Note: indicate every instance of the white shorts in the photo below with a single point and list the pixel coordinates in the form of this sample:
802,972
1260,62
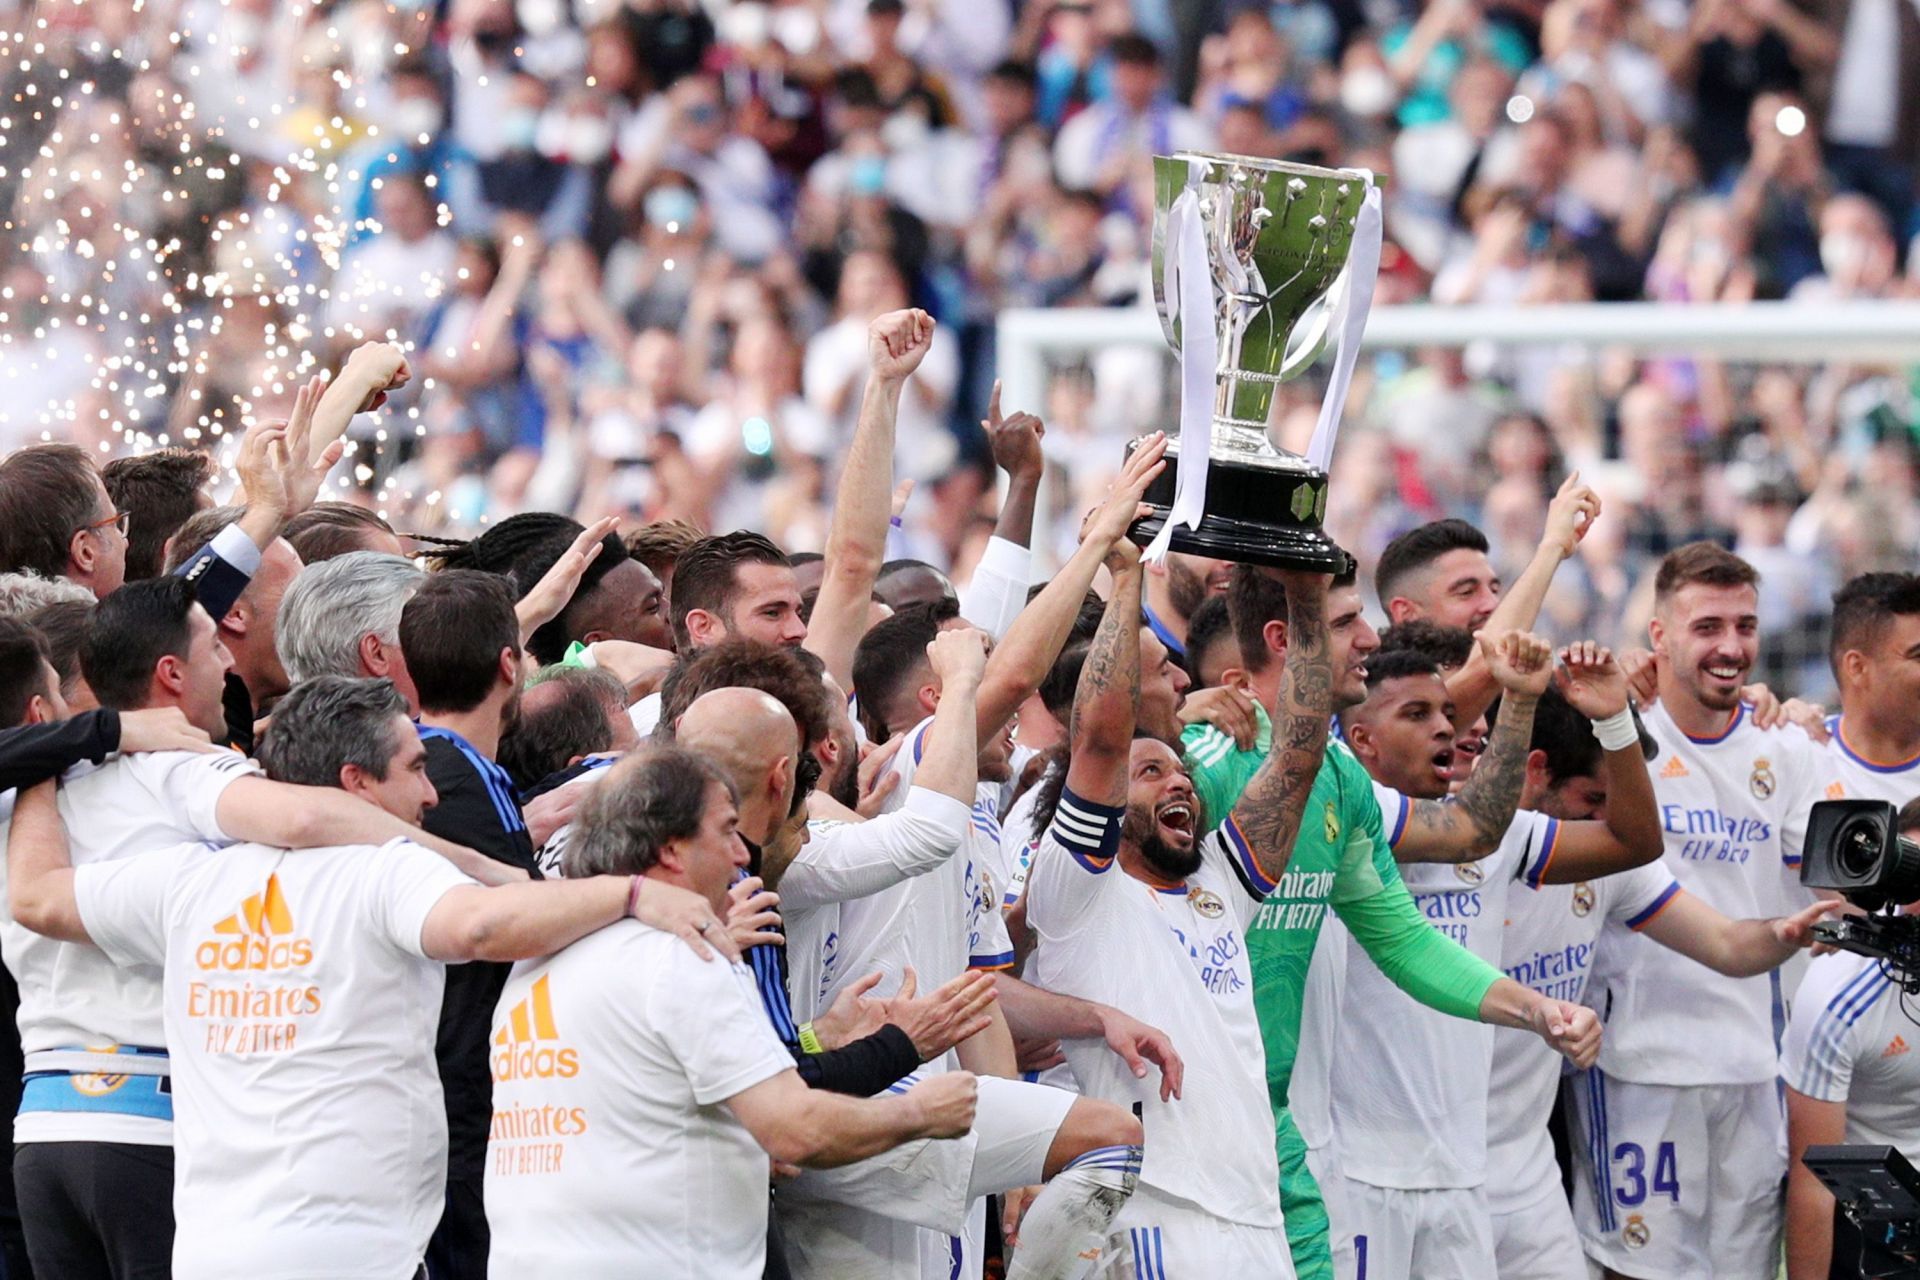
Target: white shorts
1324,1165
1538,1242
866,1219
1391,1234
1678,1180
1158,1237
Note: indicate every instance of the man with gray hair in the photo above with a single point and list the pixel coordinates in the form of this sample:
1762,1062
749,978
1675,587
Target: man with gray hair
638,1090
301,992
342,617
27,592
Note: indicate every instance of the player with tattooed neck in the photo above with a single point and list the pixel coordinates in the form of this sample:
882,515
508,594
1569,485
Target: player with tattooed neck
1135,904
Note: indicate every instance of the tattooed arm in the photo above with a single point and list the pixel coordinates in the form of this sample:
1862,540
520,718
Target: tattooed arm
1105,700
1471,824
1268,813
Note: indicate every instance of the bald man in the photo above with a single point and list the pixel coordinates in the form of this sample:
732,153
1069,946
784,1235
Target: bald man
754,740
1087,1151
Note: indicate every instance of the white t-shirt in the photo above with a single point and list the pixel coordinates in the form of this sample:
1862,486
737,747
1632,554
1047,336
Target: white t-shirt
1852,1039
1408,1083
1858,778
72,996
1734,810
940,922
1174,957
612,1148
310,1135
1548,945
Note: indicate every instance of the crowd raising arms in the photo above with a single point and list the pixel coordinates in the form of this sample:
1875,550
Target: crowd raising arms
1138,976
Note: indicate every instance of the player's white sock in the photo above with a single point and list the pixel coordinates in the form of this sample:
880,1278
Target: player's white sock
1066,1226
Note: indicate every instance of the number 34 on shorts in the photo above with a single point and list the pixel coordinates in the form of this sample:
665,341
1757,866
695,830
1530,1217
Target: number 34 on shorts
1633,1182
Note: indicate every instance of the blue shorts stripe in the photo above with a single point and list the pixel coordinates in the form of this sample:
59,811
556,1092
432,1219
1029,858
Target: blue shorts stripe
1606,1146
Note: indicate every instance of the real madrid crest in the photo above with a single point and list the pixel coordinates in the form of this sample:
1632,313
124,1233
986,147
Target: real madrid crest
1635,1233
1761,782
1206,902
1583,899
1332,823
1469,872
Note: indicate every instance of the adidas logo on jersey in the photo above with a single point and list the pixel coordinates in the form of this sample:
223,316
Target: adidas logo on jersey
1896,1047
519,1051
256,936
1836,790
1674,768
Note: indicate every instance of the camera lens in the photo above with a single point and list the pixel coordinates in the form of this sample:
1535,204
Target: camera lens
1857,849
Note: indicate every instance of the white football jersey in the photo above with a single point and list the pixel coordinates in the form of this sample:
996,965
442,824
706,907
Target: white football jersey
1734,809
1408,1083
1853,1038
1858,778
1175,957
941,922
1548,945
1018,843
845,861
72,996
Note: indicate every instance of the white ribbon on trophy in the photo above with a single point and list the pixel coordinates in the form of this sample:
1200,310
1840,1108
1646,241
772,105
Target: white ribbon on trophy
1349,320
1189,292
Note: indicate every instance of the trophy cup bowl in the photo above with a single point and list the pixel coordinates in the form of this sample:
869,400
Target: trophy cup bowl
1278,237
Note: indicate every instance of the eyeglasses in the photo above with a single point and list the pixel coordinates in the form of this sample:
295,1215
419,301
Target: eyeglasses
118,520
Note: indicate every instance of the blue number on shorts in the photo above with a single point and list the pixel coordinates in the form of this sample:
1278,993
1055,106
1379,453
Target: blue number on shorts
1360,1256
1666,1175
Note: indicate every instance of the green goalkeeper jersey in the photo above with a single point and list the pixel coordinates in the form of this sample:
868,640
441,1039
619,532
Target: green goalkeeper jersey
1342,860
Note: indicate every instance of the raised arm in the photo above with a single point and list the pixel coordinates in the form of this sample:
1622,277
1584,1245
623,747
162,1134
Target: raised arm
950,753
40,868
857,538
1571,513
288,470
1268,812
551,595
860,859
1471,824
362,385
997,591
1108,694
1027,651
1630,836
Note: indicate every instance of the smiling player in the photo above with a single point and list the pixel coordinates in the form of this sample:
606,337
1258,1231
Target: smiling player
1680,1153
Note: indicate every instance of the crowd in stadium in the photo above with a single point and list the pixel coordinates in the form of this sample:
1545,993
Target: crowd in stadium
552,723
635,246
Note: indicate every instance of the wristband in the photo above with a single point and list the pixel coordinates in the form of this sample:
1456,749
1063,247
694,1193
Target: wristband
633,895
894,521
1617,732
809,1041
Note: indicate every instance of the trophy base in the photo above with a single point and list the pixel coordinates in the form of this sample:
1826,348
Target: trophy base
1254,515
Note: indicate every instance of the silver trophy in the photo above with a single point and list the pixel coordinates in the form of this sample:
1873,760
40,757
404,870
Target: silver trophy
1277,240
